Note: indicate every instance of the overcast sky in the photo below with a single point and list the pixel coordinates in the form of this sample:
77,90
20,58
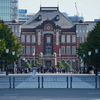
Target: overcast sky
90,9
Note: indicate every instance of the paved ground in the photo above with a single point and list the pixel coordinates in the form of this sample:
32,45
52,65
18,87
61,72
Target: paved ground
50,81
50,94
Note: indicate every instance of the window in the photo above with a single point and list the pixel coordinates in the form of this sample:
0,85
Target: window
28,39
81,39
73,38
33,39
68,50
62,50
48,50
68,38
23,38
73,50
23,49
63,39
48,39
28,50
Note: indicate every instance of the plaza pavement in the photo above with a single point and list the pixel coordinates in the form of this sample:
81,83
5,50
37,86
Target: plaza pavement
51,80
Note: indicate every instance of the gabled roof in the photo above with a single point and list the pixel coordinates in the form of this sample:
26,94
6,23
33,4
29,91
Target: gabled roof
50,13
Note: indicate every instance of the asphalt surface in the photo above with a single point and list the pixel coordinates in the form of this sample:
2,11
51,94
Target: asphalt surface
49,94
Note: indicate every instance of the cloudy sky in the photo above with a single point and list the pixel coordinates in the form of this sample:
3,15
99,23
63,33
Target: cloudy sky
89,9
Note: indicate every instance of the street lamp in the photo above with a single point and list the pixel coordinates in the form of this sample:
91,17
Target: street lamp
34,58
18,63
13,53
89,53
96,51
7,51
80,63
76,64
84,62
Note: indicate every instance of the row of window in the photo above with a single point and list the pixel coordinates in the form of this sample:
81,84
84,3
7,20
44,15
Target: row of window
65,50
68,50
67,38
28,39
64,39
28,50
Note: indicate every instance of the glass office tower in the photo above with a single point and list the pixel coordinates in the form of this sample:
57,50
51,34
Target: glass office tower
8,10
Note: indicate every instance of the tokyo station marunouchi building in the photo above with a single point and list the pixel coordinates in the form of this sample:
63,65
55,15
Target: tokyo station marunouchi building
50,37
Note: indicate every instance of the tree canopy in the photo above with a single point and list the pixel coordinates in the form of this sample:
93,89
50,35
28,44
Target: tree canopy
92,43
8,41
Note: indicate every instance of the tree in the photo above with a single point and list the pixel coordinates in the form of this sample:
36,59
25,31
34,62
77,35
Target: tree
2,46
59,64
9,41
27,65
67,65
92,43
36,63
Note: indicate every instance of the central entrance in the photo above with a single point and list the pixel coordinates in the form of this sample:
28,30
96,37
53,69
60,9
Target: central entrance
48,63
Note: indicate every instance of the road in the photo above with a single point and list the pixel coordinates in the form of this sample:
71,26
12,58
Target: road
50,94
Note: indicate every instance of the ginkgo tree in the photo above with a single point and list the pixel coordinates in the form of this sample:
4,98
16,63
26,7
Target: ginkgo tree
92,43
8,41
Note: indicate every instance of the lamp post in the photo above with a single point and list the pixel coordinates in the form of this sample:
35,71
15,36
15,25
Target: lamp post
17,62
96,51
80,63
34,58
7,51
76,64
84,62
89,53
13,53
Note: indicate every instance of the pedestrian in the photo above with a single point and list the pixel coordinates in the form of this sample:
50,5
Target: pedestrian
34,72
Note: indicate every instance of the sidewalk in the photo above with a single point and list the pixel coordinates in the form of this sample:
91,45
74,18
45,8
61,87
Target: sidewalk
49,80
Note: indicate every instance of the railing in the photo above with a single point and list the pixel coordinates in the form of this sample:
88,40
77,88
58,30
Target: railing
5,82
84,82
50,81
54,81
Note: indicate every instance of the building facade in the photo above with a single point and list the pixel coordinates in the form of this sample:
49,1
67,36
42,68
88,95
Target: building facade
8,10
50,37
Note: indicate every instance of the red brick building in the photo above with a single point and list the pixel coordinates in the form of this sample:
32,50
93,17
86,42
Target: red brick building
50,37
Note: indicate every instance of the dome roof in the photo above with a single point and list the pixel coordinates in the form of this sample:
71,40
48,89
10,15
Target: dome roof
15,21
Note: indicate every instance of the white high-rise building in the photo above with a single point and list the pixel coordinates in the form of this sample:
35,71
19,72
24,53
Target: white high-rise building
8,10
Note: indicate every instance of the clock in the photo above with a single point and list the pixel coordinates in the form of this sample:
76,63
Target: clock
48,27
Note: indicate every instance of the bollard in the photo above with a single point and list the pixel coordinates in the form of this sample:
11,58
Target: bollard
96,82
13,82
71,82
67,81
10,82
38,82
42,81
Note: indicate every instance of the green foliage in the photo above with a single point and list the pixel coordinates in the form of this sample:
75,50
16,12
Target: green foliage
59,64
67,65
92,43
36,63
10,42
2,46
63,65
27,65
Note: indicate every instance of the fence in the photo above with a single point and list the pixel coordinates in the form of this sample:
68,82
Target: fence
50,81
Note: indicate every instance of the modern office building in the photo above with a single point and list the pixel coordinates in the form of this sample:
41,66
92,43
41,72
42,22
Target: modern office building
24,16
8,10
50,37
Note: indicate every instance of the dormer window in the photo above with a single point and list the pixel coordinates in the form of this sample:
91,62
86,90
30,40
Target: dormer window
57,17
39,17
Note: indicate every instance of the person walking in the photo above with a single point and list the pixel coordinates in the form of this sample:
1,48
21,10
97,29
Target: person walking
34,72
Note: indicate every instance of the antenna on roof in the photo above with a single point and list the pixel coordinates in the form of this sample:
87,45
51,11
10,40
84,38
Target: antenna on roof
76,9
